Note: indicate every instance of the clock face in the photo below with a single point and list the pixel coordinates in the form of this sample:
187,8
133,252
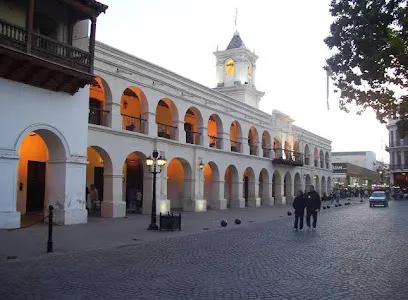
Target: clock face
249,69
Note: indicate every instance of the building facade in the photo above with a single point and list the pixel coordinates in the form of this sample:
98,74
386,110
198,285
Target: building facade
103,134
398,150
363,159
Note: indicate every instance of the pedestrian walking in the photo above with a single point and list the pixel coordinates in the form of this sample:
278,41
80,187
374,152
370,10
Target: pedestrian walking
299,204
313,205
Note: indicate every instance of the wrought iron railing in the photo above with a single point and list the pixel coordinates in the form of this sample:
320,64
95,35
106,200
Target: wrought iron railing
97,116
17,37
235,146
214,141
166,131
266,152
253,150
132,123
288,157
395,167
193,137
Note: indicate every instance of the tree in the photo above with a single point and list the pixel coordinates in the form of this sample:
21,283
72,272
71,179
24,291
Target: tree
369,39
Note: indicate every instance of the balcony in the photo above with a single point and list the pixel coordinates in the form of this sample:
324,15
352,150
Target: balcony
398,167
38,54
98,116
193,137
132,123
288,157
214,142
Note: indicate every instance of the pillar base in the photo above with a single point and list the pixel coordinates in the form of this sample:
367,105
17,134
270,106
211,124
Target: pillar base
283,199
219,204
256,202
196,205
268,202
239,203
163,206
70,216
10,219
113,209
289,200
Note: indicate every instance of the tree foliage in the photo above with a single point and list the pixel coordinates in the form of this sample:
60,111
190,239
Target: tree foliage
369,64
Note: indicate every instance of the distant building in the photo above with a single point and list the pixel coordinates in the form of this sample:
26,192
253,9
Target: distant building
363,159
348,175
398,149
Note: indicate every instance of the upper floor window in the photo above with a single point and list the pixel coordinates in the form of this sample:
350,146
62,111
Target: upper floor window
249,69
229,67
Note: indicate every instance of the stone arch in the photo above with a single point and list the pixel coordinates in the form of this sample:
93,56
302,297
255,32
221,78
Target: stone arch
99,95
297,184
236,137
249,187
277,147
316,157
329,185
193,126
321,156
211,184
51,136
42,170
307,155
134,109
253,141
136,178
277,187
323,187
264,186
266,144
288,188
179,183
327,160
231,186
308,182
167,119
317,183
215,131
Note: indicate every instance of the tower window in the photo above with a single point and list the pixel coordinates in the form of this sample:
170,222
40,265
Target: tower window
249,69
229,68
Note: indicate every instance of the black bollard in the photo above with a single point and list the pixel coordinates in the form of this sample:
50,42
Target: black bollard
237,221
324,207
289,213
328,206
50,243
224,223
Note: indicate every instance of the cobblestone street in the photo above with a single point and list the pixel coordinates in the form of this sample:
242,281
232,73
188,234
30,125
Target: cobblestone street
356,253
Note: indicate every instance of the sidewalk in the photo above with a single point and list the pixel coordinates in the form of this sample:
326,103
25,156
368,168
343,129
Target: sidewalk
101,233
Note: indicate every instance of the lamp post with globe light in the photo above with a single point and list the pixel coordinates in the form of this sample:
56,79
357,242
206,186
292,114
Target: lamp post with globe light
155,165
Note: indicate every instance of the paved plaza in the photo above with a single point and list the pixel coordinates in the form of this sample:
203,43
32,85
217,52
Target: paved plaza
357,253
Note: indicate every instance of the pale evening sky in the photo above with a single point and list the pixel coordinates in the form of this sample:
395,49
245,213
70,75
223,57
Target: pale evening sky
180,35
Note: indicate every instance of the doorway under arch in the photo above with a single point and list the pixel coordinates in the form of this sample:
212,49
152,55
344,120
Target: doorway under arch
211,183
179,184
231,186
277,187
249,187
288,188
264,186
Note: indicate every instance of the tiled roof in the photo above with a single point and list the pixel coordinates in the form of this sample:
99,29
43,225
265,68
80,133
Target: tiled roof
236,42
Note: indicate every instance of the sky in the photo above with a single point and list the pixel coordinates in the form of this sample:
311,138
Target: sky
181,36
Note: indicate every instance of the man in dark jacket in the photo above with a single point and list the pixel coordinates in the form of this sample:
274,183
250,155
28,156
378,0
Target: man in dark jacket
313,206
299,205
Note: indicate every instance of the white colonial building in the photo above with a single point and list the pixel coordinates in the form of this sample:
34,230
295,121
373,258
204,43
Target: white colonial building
53,144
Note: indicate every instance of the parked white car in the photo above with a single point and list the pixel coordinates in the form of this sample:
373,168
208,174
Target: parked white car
378,198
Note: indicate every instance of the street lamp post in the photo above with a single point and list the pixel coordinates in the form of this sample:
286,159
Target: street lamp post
153,163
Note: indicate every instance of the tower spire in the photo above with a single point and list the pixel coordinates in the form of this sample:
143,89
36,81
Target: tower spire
236,17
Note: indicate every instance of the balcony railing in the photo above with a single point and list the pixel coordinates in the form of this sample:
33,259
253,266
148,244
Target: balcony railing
253,150
166,131
267,152
398,167
135,124
17,37
235,146
214,141
97,116
193,137
307,160
288,157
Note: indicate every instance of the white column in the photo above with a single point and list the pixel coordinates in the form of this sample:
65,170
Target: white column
113,205
162,202
180,132
237,195
9,216
253,194
204,141
151,129
114,117
65,190
147,193
221,202
226,144
244,145
267,190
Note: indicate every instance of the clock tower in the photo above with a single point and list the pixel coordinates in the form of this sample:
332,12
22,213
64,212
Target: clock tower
236,68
